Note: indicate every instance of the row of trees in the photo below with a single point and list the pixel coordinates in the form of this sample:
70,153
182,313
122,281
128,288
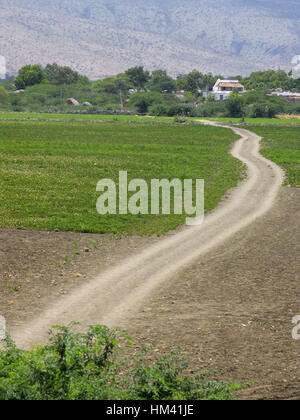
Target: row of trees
46,89
255,104
34,74
271,79
157,81
139,79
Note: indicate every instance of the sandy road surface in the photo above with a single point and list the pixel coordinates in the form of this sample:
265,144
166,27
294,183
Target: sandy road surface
116,292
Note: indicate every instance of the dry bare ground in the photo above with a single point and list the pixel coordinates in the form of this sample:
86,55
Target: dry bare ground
231,310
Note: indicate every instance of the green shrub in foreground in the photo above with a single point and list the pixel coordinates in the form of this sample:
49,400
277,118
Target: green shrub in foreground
76,366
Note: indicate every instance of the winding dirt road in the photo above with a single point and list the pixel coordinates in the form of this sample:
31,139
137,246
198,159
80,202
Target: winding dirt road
115,293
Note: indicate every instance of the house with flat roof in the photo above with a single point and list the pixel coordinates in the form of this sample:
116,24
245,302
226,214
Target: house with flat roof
224,88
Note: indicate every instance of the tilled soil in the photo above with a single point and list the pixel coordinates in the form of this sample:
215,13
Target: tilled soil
39,267
232,310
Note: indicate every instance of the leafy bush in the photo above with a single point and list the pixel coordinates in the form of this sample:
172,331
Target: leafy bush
29,75
76,366
210,109
180,120
235,106
262,110
143,101
186,110
158,110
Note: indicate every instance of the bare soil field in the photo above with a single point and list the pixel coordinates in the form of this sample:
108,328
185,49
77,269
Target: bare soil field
38,267
231,312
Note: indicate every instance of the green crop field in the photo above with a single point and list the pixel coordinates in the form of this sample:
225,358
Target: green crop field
49,170
256,121
80,117
136,118
282,145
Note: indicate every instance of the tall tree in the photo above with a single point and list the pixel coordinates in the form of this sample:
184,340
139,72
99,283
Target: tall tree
161,82
60,75
29,75
194,81
235,105
138,76
114,85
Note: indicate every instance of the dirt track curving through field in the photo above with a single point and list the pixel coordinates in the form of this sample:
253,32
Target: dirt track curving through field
114,294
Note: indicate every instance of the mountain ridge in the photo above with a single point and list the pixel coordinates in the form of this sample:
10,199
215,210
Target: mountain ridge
102,38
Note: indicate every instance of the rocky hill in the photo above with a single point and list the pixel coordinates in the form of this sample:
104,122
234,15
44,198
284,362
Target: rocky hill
104,37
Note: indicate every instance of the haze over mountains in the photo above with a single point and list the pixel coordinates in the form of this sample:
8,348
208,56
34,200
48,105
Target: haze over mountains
105,37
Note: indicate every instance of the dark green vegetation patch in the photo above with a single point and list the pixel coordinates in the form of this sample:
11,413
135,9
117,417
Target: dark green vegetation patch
90,366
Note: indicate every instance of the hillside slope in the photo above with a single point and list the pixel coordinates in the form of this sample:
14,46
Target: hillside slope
101,37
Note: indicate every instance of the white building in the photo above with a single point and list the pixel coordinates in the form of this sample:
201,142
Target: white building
224,88
290,96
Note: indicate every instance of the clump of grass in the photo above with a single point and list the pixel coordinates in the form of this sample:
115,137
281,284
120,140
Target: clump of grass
14,287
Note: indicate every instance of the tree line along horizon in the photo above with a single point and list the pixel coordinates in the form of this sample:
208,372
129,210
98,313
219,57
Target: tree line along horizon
46,89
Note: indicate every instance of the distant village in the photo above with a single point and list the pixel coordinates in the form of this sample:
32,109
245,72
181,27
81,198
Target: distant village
55,88
221,91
